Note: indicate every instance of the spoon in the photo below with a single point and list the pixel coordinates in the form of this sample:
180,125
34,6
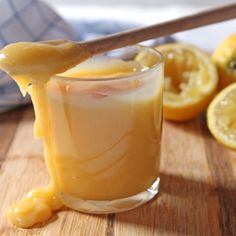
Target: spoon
134,36
53,57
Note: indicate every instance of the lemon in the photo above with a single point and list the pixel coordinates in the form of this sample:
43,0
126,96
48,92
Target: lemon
221,116
146,59
224,58
190,81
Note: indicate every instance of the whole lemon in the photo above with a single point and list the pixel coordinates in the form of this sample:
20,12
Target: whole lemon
224,58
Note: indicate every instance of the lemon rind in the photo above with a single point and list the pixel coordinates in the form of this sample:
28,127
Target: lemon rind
208,90
211,119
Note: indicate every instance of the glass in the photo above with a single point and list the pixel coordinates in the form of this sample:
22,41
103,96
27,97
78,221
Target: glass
104,147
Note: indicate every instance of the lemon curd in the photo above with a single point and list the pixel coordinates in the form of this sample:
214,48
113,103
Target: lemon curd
101,132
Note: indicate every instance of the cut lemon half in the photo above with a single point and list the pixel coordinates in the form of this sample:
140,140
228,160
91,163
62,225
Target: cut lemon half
190,81
221,116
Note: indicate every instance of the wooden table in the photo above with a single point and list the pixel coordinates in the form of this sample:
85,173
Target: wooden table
197,194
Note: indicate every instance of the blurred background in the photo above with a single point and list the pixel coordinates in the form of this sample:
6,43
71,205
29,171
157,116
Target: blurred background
144,12
86,19
141,2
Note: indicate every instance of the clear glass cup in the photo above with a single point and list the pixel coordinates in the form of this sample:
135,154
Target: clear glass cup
104,147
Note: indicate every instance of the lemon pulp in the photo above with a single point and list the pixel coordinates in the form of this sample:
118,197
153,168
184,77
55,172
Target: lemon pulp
190,81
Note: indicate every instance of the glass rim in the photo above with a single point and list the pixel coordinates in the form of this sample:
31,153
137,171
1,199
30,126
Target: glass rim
153,67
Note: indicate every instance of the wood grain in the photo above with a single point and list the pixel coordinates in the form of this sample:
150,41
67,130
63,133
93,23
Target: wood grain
8,125
222,164
197,194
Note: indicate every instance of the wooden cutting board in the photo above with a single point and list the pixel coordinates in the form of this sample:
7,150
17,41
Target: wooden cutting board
197,194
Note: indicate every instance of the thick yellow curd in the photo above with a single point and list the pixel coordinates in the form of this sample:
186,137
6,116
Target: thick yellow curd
102,139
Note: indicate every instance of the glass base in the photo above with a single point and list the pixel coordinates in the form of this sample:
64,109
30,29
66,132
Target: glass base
113,206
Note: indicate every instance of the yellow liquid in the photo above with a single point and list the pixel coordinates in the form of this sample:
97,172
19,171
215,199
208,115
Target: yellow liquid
102,139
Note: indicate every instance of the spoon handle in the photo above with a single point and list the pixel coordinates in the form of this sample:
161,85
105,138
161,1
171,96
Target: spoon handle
134,36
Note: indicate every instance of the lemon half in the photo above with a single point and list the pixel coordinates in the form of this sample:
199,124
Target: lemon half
221,116
190,81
